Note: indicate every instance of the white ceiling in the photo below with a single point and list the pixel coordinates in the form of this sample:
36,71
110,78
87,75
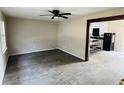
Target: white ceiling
35,12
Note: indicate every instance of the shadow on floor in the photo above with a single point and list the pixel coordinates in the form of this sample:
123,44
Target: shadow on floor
20,67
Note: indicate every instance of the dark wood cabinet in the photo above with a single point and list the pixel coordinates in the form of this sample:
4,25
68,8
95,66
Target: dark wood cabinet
109,41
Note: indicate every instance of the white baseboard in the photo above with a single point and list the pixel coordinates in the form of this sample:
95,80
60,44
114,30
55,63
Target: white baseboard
45,50
13,54
71,53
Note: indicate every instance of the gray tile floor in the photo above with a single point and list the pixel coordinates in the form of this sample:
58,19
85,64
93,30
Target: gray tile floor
39,68
59,68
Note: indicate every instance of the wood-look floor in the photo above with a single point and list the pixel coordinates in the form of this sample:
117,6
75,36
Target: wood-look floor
39,68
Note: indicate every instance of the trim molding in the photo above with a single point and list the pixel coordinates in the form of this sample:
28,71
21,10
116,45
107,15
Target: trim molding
71,54
46,50
13,54
110,18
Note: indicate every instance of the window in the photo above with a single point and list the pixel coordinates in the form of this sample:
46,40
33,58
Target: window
3,36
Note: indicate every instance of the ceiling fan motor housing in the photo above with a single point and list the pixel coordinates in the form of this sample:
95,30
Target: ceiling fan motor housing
56,12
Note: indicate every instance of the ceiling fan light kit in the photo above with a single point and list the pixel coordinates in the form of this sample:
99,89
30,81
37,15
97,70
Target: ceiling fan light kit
56,14
56,17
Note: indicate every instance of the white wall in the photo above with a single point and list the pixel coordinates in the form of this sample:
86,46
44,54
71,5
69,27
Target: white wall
71,37
25,35
3,57
117,27
72,33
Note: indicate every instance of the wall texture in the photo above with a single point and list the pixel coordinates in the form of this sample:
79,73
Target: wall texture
71,38
117,27
72,33
3,57
25,35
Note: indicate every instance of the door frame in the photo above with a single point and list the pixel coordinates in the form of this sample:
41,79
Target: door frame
102,19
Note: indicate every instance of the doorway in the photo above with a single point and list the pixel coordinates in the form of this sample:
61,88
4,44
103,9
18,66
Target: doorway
90,22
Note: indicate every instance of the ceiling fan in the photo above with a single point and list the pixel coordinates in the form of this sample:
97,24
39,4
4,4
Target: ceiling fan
57,14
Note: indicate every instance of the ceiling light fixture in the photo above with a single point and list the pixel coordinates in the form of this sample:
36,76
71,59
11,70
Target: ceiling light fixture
56,17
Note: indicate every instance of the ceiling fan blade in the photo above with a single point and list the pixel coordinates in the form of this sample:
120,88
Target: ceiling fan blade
46,15
50,11
64,17
65,14
52,17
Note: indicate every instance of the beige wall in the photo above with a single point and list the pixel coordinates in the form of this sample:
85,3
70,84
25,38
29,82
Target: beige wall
117,27
71,37
25,35
72,33
3,57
